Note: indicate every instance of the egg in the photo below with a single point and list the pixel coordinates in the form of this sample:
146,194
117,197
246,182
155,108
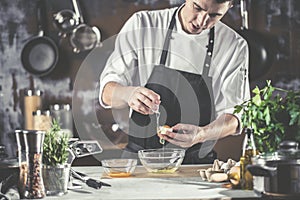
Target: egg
163,129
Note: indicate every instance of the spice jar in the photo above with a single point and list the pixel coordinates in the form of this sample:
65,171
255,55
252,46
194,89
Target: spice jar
22,161
32,103
34,188
63,114
42,120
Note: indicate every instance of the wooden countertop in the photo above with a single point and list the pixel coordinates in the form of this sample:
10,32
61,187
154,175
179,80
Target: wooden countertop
183,171
185,184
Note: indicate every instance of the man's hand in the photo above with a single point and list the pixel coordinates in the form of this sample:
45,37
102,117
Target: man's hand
140,99
143,100
184,135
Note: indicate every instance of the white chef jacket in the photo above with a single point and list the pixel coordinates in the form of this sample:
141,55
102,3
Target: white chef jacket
140,42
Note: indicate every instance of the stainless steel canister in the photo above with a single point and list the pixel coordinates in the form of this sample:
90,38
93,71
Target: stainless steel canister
281,172
63,114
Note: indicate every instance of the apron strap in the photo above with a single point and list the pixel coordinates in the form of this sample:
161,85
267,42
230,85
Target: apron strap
209,52
164,52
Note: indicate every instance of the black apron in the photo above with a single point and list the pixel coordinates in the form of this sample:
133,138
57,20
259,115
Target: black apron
185,98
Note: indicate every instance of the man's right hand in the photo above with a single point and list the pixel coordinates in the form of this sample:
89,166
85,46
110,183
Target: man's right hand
140,99
143,100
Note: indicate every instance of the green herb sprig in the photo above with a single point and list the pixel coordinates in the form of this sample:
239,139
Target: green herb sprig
55,147
273,114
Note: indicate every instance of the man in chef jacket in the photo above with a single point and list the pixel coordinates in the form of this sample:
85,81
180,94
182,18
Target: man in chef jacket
187,65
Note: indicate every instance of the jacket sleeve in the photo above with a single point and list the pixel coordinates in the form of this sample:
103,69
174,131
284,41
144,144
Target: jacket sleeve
121,65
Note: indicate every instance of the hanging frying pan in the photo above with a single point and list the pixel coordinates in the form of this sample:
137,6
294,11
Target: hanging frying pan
40,54
261,54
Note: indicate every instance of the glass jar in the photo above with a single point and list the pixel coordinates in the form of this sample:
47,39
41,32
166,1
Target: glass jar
22,161
42,120
63,114
34,188
32,103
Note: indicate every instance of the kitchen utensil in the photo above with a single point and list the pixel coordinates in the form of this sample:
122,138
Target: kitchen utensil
65,20
89,181
280,171
84,37
40,54
165,160
119,167
78,149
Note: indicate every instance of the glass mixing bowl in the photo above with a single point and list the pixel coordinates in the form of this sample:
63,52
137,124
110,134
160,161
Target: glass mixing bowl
165,160
119,167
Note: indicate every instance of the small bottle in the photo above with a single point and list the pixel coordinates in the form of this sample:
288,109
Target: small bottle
249,151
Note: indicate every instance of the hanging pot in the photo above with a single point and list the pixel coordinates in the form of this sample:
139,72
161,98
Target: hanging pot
261,53
280,171
40,54
65,20
84,37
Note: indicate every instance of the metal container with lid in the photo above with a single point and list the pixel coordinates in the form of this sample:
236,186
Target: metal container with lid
32,103
63,114
281,170
42,120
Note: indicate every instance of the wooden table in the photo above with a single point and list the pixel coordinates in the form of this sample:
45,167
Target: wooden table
183,184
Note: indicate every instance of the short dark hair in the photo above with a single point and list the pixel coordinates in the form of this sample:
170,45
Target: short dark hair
223,1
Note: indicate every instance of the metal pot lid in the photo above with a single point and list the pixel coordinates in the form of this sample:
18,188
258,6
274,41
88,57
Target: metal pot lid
288,150
288,153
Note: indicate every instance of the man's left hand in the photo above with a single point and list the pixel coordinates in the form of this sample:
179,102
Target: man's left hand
184,135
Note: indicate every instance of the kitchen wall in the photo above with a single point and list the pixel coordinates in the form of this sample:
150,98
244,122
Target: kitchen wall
74,78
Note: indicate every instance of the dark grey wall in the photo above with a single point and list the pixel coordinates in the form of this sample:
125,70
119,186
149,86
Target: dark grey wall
277,19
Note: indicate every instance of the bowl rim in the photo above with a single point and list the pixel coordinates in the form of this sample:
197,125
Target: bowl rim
166,150
133,162
162,150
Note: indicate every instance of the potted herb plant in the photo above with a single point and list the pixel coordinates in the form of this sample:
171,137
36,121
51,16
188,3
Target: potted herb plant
56,170
273,114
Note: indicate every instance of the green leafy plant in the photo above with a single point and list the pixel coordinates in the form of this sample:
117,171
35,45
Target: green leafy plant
55,147
273,114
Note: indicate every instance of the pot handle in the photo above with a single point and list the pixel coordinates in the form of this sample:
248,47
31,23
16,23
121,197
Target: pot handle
77,10
259,170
